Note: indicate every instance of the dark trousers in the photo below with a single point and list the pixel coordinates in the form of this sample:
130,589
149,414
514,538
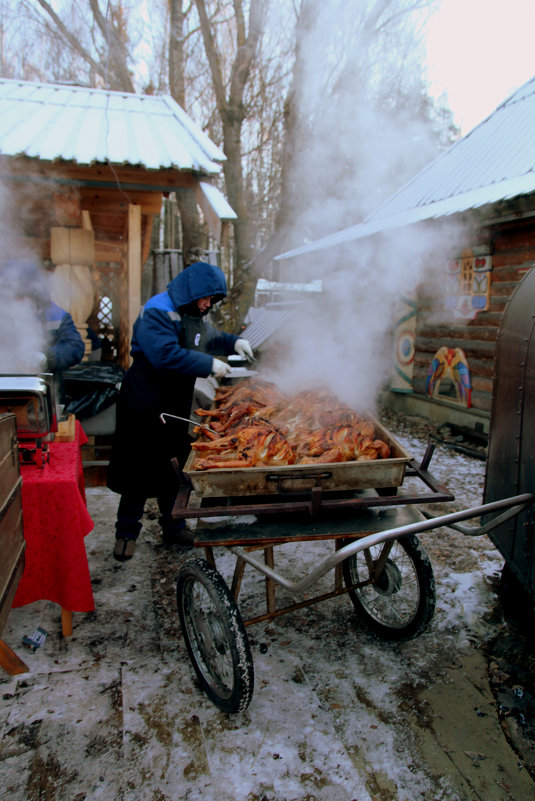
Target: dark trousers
130,512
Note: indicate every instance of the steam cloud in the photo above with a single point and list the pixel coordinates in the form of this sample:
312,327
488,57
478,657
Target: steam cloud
359,150
343,340
22,337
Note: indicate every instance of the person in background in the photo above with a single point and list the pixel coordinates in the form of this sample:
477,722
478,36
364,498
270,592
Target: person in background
171,346
65,347
25,283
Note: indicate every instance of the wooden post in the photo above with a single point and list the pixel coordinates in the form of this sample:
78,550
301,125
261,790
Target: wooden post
134,265
10,661
66,622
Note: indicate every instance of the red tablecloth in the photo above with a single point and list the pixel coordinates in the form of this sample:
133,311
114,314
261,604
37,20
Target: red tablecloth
55,521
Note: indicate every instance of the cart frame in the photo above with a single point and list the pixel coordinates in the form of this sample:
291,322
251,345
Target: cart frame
383,531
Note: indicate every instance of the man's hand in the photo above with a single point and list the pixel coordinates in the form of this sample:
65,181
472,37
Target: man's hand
219,368
243,349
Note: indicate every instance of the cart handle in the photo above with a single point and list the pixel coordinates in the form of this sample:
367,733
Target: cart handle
513,506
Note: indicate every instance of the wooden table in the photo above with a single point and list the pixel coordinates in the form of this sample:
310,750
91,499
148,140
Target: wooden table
55,522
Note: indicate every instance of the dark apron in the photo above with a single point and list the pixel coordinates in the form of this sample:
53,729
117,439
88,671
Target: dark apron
143,446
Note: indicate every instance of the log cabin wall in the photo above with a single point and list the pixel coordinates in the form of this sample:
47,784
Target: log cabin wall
512,247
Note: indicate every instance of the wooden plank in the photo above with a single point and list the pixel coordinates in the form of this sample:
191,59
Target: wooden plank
66,430
65,173
11,663
471,348
134,266
147,237
66,622
86,220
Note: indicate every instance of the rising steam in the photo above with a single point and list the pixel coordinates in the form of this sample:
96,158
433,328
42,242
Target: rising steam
22,336
363,136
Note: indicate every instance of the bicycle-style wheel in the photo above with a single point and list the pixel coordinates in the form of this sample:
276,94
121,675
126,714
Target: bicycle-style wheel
215,636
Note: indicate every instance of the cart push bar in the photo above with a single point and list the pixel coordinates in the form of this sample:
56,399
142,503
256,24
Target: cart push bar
512,506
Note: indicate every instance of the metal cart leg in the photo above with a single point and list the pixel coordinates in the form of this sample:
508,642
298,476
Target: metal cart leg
270,584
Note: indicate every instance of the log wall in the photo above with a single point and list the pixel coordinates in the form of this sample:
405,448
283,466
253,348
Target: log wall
513,254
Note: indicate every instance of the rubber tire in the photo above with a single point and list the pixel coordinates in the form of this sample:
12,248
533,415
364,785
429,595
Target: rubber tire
221,638
384,625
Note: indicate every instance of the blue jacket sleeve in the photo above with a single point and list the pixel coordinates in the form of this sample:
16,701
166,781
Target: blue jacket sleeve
156,334
67,347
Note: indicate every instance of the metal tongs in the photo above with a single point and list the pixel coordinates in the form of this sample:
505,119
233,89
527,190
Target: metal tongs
188,420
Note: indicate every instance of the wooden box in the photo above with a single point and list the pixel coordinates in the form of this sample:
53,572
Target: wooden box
66,430
12,542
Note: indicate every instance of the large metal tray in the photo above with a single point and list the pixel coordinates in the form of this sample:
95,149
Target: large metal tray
339,476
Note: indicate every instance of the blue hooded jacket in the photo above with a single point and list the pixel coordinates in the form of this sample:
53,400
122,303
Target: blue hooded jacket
161,379
66,347
157,331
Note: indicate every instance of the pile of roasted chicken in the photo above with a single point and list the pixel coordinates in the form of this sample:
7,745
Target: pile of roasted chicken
253,424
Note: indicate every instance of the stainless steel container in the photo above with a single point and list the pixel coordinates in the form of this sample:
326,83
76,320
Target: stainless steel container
31,399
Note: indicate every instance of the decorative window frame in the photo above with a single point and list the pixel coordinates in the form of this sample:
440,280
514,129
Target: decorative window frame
468,283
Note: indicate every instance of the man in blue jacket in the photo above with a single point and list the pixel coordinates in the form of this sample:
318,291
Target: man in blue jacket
25,281
65,345
171,347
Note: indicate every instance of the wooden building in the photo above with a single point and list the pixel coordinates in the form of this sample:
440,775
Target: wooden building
82,176
482,189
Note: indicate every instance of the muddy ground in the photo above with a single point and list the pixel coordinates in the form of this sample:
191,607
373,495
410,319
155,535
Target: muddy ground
114,712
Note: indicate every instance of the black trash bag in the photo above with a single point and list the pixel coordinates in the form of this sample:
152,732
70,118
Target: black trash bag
90,388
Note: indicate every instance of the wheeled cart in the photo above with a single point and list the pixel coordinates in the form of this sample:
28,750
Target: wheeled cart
377,560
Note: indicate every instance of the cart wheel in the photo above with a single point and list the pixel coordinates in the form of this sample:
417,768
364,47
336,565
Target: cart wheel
215,636
400,601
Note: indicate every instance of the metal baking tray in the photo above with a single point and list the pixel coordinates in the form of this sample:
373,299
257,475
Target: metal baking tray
269,480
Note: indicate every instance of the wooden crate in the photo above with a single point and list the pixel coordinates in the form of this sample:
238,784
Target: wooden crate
11,537
66,430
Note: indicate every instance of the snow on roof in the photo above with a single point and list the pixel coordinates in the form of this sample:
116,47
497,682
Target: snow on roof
263,285
217,201
71,123
494,162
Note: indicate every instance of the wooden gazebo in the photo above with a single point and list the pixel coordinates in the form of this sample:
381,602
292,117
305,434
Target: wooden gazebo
83,173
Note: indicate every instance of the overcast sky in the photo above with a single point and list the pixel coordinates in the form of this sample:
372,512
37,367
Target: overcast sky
479,52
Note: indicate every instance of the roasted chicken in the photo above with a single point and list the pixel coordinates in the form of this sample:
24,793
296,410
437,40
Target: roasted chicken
254,423
259,444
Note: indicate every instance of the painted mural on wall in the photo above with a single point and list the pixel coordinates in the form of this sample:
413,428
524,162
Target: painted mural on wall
448,377
468,284
404,339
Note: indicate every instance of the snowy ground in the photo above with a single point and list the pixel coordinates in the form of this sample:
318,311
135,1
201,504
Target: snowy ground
114,712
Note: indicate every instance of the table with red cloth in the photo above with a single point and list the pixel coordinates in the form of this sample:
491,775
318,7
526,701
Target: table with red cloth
55,521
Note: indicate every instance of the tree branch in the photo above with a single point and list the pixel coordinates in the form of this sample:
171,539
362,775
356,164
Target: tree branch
69,38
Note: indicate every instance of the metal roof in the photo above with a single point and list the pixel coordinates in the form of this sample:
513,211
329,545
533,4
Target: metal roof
264,323
494,162
85,126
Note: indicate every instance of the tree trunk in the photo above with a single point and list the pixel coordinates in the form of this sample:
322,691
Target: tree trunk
232,113
177,84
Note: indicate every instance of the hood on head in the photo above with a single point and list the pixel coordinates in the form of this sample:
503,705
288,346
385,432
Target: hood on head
199,280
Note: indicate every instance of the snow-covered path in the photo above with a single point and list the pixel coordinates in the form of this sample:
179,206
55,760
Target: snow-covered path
114,712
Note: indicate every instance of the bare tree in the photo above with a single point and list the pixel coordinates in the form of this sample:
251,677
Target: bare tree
105,52
358,119
319,107
244,32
